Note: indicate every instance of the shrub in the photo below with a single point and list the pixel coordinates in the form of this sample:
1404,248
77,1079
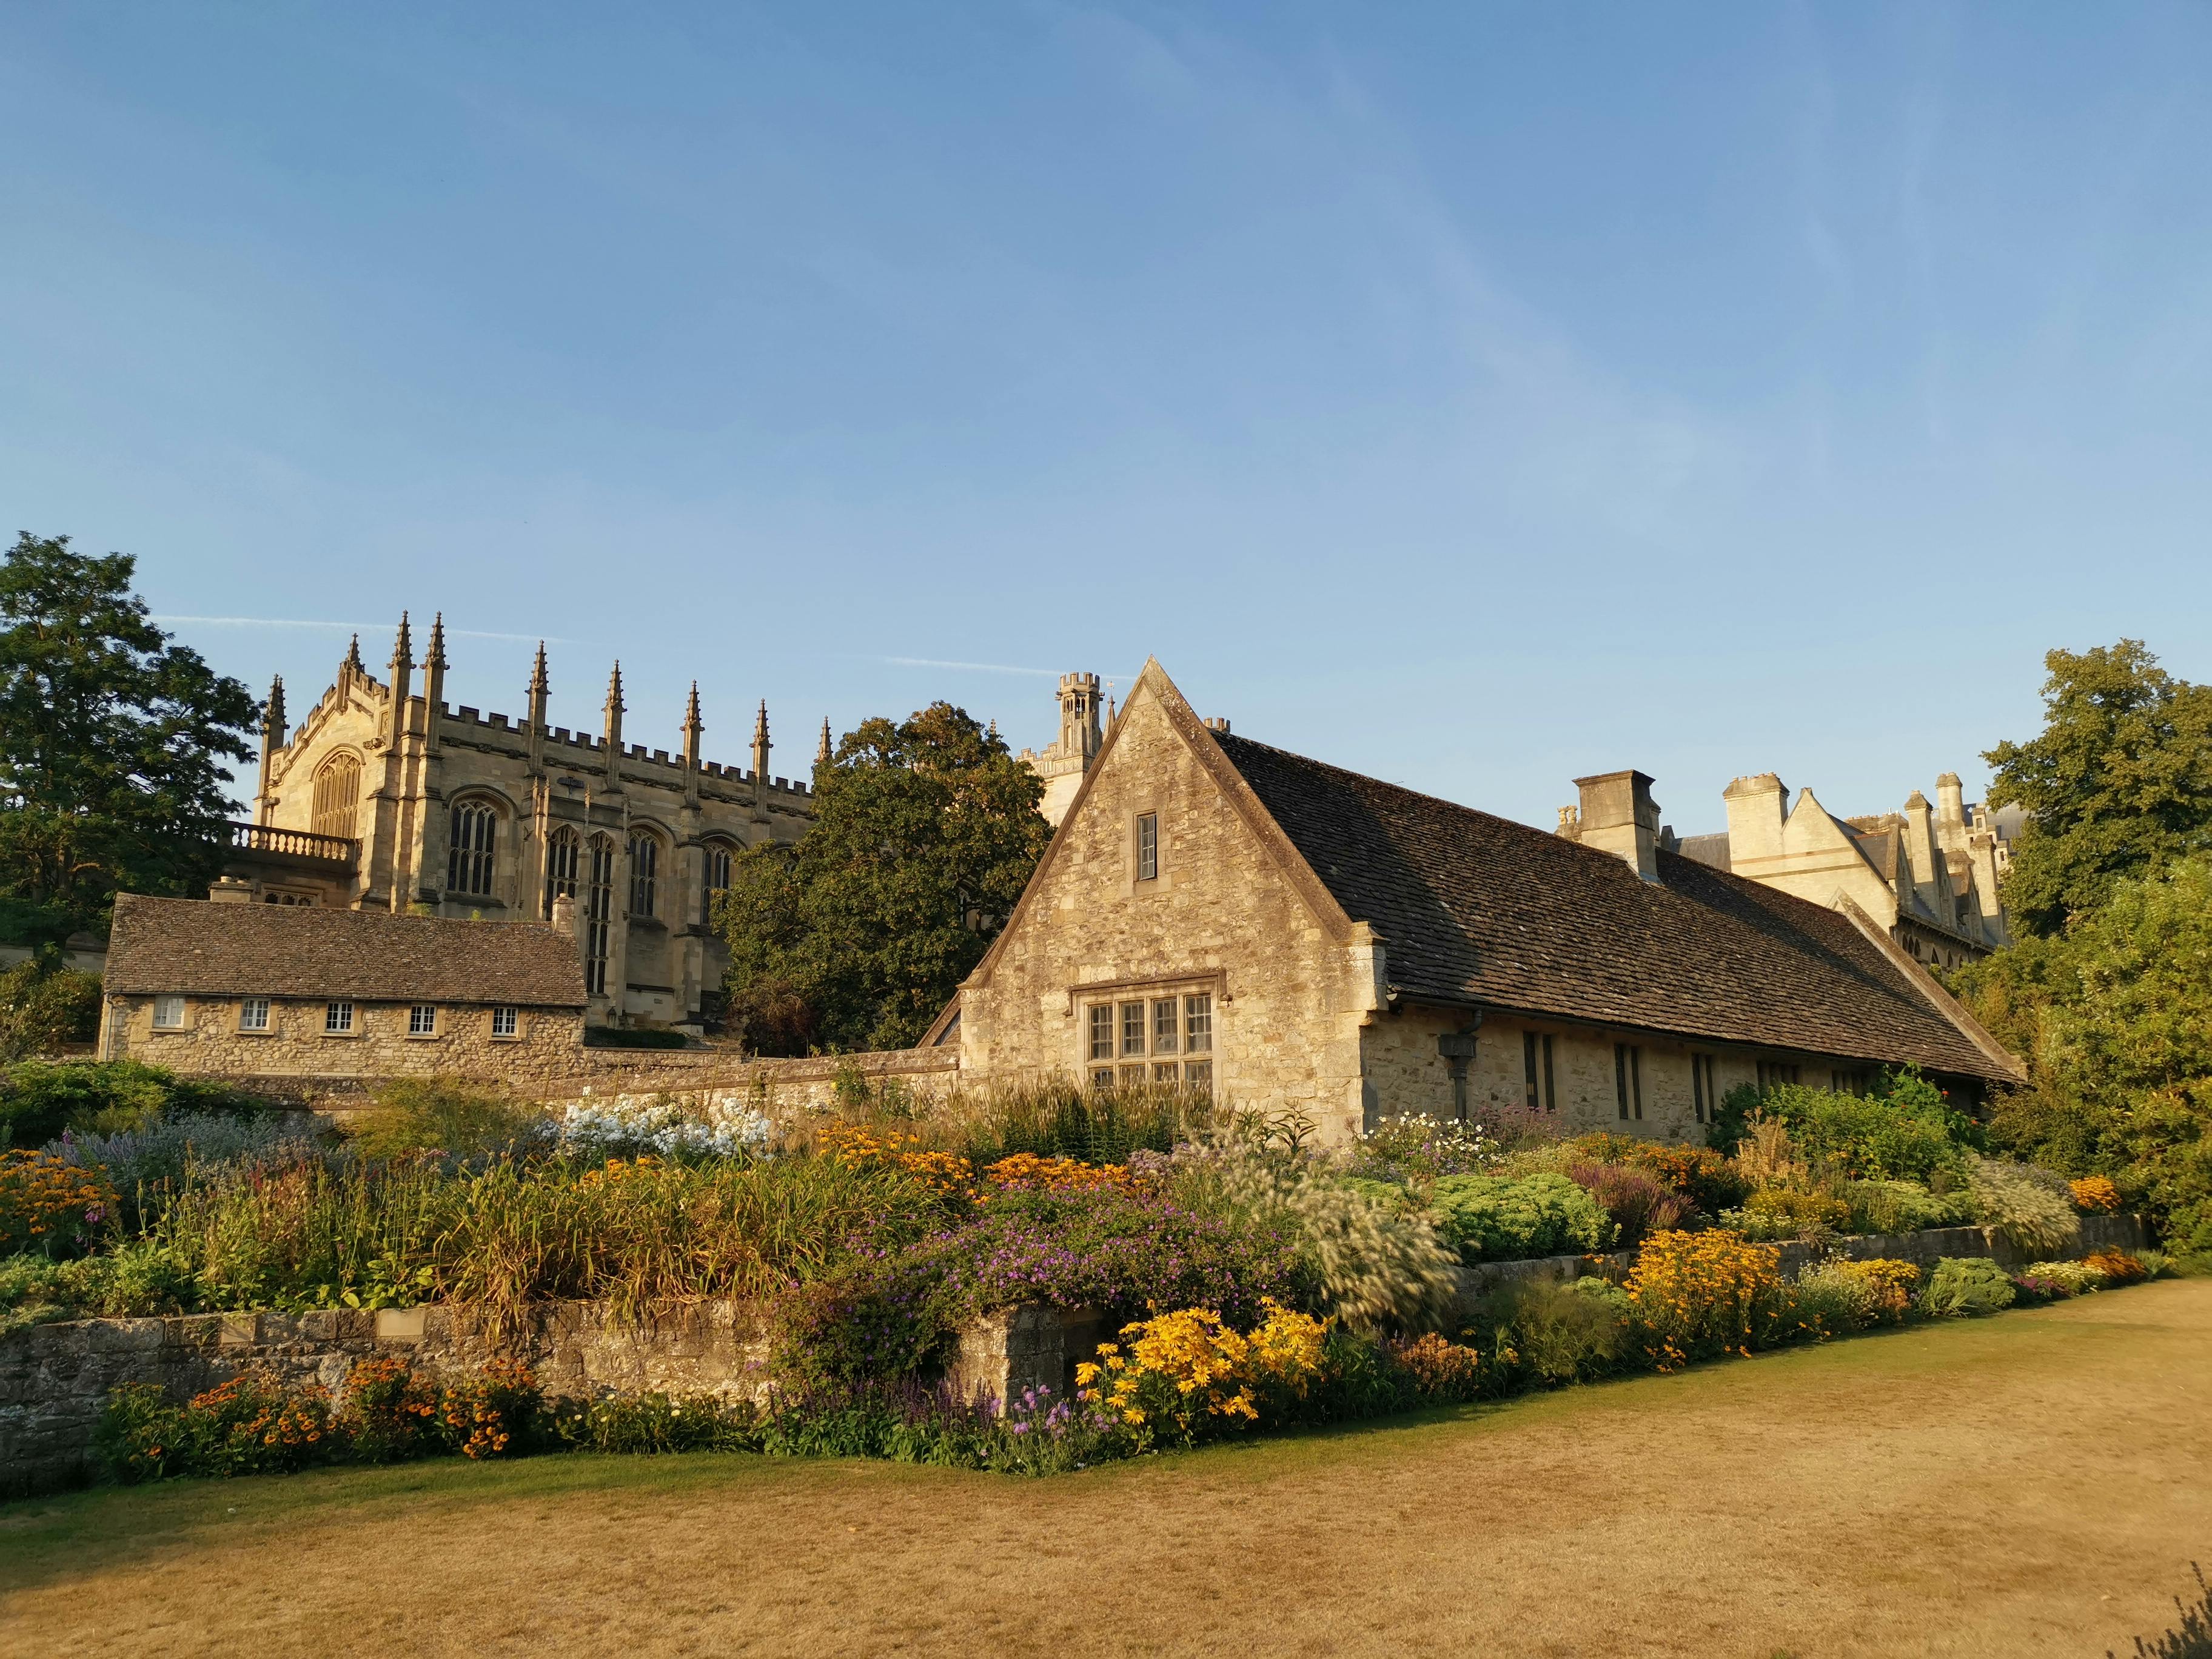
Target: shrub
2072,1278
2095,1195
2191,1639
391,1413
1837,1294
43,1008
632,1036
1966,1285
1503,1218
1443,1372
723,1125
653,1423
135,1278
1906,1134
1553,1333
1639,1205
1187,1375
1695,1295
492,1412
1701,1174
252,1425
48,1204
39,1100
1788,1212
1418,1149
139,1161
2117,1265
445,1114
2031,1207
1902,1206
1372,1265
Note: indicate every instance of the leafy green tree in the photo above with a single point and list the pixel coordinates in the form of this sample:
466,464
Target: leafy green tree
2119,781
112,745
2114,1018
925,834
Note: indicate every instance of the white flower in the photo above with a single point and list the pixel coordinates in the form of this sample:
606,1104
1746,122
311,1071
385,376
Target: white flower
721,1124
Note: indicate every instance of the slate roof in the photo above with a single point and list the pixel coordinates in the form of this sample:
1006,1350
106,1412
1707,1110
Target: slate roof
199,948
1474,909
1712,849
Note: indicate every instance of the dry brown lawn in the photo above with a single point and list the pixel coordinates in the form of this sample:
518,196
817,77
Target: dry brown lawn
2034,1484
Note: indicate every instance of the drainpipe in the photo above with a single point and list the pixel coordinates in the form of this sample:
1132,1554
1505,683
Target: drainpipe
1458,1047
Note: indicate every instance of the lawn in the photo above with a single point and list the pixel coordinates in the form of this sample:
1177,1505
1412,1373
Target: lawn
2033,1484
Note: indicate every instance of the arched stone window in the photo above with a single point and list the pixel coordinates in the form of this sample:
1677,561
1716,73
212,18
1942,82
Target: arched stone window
717,877
469,854
338,794
561,849
644,872
599,911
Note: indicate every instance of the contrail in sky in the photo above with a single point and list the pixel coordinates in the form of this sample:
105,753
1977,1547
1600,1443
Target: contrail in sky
356,627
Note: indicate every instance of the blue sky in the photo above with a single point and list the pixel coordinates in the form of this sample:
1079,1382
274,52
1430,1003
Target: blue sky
1477,396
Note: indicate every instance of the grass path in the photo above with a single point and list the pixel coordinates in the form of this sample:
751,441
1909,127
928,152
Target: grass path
2036,1484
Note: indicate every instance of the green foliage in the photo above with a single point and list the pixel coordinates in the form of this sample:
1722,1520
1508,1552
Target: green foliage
1503,1218
1558,1333
448,1115
39,1100
1902,1206
1731,1118
112,745
1907,1136
44,1006
1060,1118
2117,783
1789,1212
632,1036
2033,1207
653,1423
925,834
1966,1285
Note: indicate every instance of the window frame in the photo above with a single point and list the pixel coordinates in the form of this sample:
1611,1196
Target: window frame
512,1014
599,896
182,1022
1147,848
422,1019
716,858
472,848
1628,1081
338,1019
1146,1030
1541,1093
644,873
246,1024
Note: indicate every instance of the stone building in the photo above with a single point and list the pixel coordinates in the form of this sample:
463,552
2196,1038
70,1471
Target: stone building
1225,914
386,798
1927,874
1063,762
284,995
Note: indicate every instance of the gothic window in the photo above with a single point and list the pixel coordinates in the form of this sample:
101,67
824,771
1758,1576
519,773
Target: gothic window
468,859
599,911
338,793
718,876
644,867
561,849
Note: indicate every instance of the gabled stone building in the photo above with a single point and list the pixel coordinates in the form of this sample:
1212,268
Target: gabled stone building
291,996
1231,916
1929,875
385,799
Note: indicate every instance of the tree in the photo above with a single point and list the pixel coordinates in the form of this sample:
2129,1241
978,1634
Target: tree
112,740
2118,782
2114,1018
925,834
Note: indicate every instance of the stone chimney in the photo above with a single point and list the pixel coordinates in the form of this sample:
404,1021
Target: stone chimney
564,914
1950,808
1620,817
1757,807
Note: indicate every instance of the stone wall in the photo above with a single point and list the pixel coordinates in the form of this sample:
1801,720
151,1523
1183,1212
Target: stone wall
544,1051
54,1377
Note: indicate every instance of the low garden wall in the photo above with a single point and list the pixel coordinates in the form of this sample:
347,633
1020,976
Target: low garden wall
54,1377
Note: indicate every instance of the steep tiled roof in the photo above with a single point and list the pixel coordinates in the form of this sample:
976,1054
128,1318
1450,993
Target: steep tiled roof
1476,908
198,948
1712,849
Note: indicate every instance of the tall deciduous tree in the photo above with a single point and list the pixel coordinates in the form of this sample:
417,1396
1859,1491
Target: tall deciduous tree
112,745
925,834
2119,781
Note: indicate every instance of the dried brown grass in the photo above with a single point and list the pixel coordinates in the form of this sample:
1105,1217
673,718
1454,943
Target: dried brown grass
2028,1485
